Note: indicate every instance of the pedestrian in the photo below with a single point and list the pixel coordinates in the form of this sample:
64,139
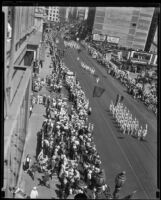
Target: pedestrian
34,193
26,165
89,111
30,110
97,80
119,182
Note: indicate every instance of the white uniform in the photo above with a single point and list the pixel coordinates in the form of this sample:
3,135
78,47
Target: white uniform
144,133
34,193
140,133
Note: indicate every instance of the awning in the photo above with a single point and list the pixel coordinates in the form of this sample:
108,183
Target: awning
35,38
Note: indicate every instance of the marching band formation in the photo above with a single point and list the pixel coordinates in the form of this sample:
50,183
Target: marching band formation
71,44
91,70
128,125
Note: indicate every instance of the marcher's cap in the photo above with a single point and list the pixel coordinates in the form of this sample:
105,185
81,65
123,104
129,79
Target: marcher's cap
34,188
123,172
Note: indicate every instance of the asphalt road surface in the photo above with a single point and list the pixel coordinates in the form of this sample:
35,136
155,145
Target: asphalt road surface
137,158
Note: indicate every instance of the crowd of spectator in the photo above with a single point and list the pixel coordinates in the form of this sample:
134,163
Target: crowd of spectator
65,145
135,86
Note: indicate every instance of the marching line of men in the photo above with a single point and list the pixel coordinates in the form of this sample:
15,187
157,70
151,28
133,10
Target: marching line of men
126,121
71,44
88,68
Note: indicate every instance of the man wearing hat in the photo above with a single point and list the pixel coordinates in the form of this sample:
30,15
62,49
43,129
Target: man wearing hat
119,182
34,193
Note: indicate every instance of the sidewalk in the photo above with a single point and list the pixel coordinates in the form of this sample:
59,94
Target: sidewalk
35,123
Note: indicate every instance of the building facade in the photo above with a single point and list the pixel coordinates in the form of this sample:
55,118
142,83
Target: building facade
18,58
53,14
82,13
90,18
39,17
131,25
154,44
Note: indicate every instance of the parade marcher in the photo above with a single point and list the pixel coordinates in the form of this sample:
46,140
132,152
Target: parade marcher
144,133
140,133
34,193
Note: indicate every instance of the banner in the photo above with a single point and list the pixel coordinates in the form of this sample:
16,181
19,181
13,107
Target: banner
112,39
98,91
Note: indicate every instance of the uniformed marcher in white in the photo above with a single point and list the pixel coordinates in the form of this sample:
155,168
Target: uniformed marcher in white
34,193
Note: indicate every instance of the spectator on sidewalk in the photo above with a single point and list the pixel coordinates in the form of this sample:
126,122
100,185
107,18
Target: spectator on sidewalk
31,110
26,165
119,182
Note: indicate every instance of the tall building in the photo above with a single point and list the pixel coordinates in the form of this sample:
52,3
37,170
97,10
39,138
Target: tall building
67,14
130,24
154,44
82,13
39,17
90,18
72,13
153,29
62,14
24,48
53,14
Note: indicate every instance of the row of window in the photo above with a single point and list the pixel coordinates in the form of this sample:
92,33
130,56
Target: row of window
53,15
53,19
53,11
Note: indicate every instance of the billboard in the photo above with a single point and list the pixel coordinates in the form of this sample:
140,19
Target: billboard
102,37
141,56
96,37
99,37
112,39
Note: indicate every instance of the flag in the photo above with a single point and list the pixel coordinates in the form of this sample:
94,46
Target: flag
98,91
117,99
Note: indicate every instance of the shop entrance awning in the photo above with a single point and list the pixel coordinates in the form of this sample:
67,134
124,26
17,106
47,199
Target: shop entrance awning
35,39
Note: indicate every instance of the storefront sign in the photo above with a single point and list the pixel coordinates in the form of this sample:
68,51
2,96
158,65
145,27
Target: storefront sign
114,40
102,37
96,37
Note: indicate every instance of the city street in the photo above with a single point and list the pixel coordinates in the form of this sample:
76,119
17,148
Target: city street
80,102
137,158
